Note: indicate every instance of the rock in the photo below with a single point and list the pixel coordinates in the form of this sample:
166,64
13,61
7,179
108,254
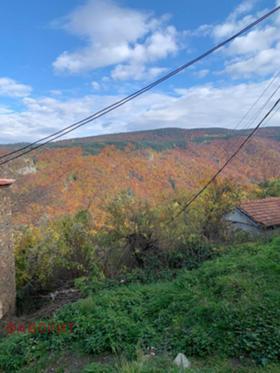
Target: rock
182,361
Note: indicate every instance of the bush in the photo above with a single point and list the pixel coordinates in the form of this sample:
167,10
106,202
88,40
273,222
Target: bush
129,234
269,188
54,254
137,235
229,306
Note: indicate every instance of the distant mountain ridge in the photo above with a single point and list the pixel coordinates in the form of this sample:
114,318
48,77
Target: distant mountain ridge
163,138
157,139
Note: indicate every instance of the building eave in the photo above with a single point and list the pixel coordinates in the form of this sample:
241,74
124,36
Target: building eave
6,182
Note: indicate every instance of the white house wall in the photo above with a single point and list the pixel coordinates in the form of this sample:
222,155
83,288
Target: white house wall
241,221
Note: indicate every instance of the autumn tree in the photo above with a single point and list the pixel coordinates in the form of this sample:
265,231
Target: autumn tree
218,200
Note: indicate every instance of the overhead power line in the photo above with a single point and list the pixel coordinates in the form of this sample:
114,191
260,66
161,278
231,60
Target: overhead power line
262,108
46,140
251,120
214,177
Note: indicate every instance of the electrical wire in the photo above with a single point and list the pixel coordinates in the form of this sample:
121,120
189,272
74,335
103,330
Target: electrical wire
46,140
251,122
271,82
214,177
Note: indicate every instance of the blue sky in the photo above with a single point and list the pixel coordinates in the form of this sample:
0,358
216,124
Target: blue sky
62,60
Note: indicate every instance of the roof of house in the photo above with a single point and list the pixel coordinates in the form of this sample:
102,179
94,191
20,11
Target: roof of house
6,182
263,211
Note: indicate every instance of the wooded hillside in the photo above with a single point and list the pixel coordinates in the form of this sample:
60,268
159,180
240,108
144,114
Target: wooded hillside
66,178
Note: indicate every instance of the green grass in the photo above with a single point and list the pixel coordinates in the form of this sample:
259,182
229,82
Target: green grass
160,364
229,307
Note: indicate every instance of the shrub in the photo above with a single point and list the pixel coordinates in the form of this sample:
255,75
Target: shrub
128,236
229,306
269,188
137,235
54,254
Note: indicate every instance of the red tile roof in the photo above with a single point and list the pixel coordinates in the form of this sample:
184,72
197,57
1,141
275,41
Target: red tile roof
6,182
263,211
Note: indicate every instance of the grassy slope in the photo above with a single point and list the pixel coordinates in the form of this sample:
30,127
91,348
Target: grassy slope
230,307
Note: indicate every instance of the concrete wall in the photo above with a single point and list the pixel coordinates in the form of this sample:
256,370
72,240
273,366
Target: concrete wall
243,222
7,261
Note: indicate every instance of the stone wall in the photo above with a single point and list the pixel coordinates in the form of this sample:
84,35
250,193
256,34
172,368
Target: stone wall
7,261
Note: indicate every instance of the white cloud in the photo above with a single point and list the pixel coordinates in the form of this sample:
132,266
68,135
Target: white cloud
263,63
115,35
233,22
230,26
200,106
56,92
11,88
108,23
256,52
95,85
4,110
255,41
136,72
202,73
244,7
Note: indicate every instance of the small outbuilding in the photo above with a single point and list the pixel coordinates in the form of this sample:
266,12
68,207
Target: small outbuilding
256,216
